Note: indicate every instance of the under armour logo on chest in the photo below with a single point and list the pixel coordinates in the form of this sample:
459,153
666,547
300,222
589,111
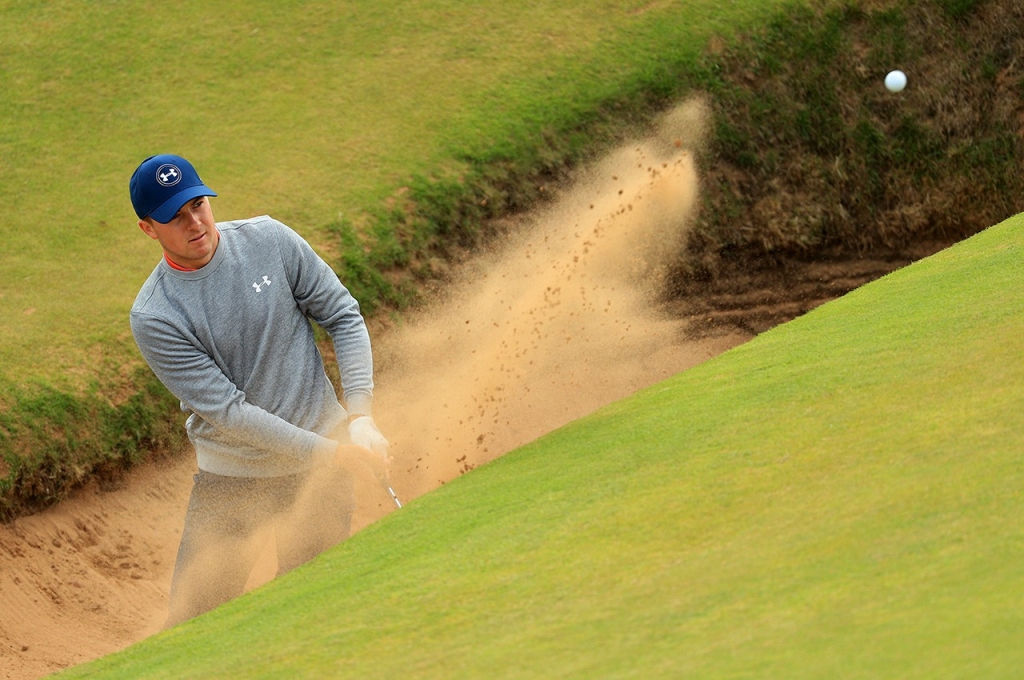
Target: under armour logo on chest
259,285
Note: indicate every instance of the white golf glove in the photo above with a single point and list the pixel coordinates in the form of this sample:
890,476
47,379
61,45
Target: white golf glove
363,432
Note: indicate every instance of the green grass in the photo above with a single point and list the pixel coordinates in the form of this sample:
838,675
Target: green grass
314,112
838,498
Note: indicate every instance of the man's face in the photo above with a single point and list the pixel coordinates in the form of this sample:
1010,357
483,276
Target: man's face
190,239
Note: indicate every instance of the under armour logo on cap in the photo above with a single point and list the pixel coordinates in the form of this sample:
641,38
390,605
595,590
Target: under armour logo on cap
168,175
162,184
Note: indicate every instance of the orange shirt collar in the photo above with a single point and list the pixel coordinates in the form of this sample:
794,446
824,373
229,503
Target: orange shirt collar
177,266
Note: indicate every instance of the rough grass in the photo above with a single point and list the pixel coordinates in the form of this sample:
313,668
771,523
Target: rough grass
837,498
51,441
316,112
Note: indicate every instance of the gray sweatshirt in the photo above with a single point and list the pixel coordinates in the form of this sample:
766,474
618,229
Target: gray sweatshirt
232,341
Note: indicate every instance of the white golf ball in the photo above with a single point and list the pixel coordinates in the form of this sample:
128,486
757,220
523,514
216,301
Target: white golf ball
895,81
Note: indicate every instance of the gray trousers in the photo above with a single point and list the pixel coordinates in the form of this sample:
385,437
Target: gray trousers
230,519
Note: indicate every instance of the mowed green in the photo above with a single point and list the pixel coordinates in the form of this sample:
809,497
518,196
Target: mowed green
838,498
308,111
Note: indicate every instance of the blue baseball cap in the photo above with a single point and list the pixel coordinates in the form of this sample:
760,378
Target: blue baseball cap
162,184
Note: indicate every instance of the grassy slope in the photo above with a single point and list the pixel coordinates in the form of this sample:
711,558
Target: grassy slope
838,498
304,110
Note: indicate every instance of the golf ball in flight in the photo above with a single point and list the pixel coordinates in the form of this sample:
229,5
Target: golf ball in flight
895,81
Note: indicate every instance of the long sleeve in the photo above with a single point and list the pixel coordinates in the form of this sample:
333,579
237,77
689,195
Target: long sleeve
323,298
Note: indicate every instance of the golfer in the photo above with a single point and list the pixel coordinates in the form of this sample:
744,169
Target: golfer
224,322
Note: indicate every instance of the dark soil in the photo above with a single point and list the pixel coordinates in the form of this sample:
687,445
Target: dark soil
755,297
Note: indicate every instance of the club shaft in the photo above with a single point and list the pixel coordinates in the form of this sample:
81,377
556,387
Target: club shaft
393,496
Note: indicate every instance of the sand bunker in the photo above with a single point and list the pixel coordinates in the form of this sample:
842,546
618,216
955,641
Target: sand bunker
555,323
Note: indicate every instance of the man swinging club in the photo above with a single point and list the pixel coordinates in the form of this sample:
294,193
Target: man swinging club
223,321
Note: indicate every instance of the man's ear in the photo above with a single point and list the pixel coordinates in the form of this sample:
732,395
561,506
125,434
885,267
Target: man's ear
145,226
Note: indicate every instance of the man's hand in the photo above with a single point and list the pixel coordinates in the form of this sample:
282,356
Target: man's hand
370,446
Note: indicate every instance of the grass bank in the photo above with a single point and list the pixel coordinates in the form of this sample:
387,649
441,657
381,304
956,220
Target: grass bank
813,159
836,498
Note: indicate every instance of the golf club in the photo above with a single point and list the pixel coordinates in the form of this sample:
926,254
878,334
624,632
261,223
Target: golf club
391,491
